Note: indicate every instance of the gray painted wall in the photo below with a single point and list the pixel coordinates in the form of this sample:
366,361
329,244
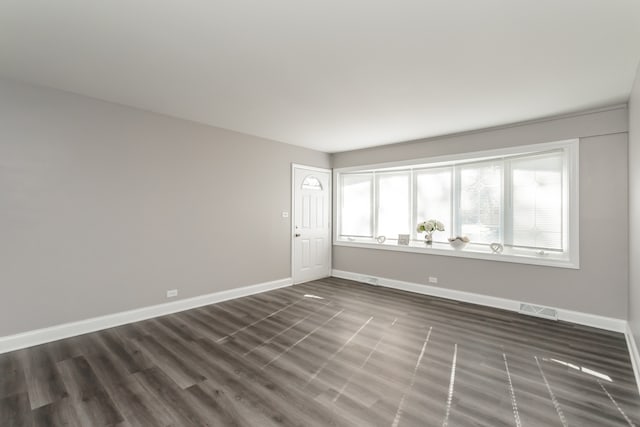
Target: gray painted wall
600,286
634,208
103,208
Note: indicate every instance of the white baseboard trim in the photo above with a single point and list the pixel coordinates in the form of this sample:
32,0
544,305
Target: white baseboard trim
634,354
66,330
586,319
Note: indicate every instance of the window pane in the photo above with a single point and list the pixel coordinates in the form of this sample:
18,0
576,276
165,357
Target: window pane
537,201
356,205
480,191
434,199
393,204
311,183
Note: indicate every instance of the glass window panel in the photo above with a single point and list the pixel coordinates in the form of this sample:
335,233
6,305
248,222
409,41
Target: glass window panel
394,204
480,194
311,183
433,192
537,201
356,205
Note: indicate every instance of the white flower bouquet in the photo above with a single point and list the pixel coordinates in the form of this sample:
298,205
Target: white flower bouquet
429,227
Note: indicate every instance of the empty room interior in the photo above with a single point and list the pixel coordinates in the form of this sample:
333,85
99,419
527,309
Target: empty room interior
329,213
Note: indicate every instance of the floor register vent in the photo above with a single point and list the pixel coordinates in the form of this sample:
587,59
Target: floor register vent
539,311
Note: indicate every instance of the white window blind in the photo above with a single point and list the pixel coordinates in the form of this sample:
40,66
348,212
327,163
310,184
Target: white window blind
480,201
433,197
394,203
537,201
357,205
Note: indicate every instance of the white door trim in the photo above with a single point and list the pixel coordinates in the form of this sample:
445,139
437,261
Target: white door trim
292,215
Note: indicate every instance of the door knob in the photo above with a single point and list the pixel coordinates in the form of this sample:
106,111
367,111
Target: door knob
297,234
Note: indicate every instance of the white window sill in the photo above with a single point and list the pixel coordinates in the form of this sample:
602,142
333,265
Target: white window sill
475,251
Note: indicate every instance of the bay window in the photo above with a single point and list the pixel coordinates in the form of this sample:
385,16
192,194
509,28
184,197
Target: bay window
523,198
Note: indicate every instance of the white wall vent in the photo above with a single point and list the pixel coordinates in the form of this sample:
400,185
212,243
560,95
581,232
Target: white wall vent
539,311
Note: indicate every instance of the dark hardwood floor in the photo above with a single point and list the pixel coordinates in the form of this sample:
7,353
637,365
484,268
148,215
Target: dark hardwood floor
329,352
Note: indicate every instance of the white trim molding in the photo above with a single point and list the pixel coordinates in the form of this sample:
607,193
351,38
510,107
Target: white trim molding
66,330
634,354
586,319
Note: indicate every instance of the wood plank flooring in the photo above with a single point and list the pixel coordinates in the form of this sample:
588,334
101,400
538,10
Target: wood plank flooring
326,353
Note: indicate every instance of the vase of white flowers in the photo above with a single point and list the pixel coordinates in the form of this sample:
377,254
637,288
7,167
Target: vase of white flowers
428,227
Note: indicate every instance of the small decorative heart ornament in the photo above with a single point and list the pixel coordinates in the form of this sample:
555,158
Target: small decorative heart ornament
496,248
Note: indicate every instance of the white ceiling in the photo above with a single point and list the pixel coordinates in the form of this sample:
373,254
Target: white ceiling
332,75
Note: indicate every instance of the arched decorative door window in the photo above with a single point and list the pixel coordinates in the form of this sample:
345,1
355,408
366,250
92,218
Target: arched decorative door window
311,183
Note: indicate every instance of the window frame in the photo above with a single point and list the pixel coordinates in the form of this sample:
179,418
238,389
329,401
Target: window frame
568,258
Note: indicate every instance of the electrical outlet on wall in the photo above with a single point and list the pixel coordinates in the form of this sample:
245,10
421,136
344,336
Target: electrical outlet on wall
172,293
433,279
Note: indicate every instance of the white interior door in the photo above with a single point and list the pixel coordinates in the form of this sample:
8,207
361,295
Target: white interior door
311,223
